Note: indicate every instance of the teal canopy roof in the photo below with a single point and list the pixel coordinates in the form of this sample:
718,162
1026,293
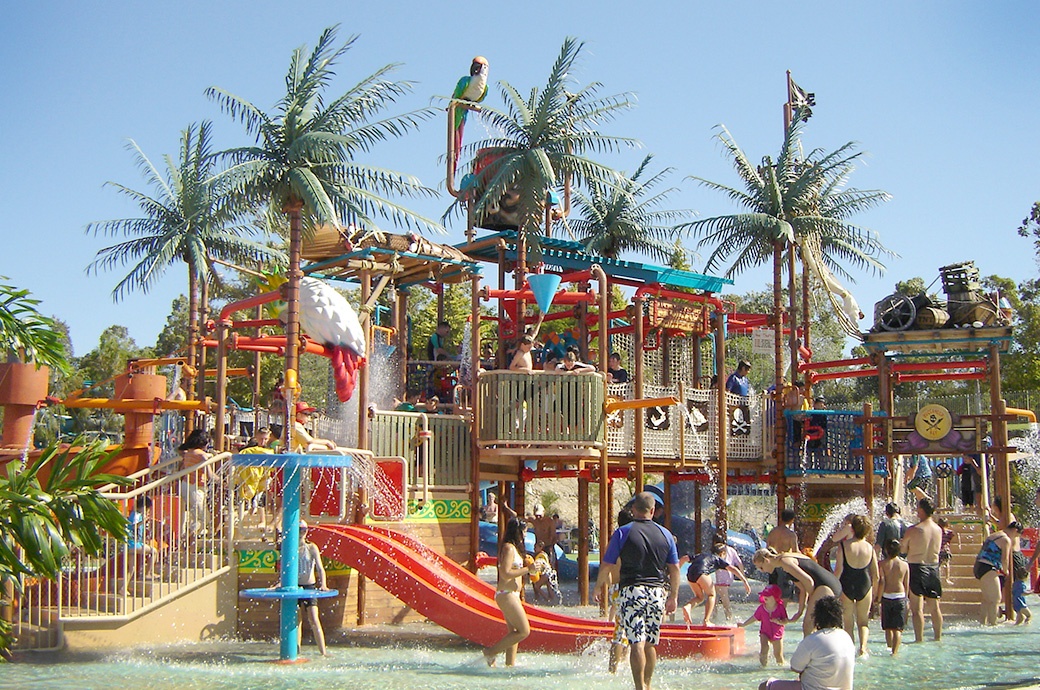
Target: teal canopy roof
571,256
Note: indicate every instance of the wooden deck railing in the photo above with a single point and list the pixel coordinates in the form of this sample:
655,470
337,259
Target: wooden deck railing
541,409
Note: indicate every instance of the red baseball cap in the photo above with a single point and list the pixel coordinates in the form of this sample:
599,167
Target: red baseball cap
304,408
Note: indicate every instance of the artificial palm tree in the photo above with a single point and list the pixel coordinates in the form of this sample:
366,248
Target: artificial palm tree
188,217
626,216
304,159
543,140
796,199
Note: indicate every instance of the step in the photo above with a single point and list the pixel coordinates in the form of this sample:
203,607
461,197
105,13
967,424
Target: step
35,637
967,609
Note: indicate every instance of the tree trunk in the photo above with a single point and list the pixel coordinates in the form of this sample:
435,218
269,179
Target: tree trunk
200,359
292,297
193,336
792,310
779,442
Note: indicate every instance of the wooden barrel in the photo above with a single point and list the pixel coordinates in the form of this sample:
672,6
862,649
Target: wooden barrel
931,317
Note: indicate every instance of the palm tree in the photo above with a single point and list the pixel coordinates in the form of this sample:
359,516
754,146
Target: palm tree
796,199
544,140
626,216
304,157
187,218
41,521
26,334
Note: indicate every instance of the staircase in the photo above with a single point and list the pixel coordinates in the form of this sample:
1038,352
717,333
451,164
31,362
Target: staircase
963,597
102,600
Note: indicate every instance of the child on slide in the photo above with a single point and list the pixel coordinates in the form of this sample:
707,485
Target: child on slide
772,614
699,576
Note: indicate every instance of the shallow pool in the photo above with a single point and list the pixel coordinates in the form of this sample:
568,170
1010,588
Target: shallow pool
968,657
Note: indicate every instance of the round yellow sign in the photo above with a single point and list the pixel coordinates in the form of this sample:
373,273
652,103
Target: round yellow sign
933,422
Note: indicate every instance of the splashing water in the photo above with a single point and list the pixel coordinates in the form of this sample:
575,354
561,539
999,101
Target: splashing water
1028,465
29,440
836,515
465,353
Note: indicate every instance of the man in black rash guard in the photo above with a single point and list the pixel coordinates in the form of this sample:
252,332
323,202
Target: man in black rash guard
648,579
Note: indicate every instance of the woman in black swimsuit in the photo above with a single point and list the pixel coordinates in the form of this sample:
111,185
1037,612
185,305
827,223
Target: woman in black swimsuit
857,570
813,579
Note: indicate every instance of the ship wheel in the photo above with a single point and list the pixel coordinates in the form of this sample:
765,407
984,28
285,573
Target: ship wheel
895,313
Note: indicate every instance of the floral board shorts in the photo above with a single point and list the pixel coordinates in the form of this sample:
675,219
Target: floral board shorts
640,612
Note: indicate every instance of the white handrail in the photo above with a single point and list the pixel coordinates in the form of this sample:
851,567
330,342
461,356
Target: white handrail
165,479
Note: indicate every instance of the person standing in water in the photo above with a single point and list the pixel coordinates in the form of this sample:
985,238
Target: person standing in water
312,576
922,544
893,585
641,557
511,571
857,570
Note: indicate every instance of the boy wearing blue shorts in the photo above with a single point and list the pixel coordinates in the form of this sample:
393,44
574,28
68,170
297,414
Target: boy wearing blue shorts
1019,588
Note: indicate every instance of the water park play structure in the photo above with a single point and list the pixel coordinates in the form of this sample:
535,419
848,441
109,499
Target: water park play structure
396,503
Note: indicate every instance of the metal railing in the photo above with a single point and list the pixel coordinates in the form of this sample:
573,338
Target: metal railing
541,409
178,538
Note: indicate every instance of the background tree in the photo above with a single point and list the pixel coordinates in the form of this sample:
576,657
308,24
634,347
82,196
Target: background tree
100,366
305,161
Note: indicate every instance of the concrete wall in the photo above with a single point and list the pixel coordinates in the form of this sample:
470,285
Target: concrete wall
201,614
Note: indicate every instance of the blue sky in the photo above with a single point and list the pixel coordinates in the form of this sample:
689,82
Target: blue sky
942,95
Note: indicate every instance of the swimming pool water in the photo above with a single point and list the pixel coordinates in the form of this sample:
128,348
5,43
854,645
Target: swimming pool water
967,657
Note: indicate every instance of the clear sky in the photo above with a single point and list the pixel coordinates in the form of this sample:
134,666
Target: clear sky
943,96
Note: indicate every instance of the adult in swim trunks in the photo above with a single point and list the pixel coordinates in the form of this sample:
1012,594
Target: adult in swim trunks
925,581
922,544
641,557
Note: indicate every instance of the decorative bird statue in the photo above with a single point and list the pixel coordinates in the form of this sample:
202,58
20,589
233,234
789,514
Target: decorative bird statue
472,88
326,316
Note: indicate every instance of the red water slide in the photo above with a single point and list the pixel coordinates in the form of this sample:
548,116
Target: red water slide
455,599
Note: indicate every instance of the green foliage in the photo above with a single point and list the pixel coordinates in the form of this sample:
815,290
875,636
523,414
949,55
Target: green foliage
549,499
188,218
626,216
173,339
1020,368
43,521
794,198
26,333
544,139
1030,226
306,149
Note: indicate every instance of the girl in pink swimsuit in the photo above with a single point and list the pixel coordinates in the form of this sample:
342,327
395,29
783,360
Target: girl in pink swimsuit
772,614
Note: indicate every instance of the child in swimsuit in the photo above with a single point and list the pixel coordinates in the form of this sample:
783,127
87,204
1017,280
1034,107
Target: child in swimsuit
699,576
893,584
772,614
945,554
1018,590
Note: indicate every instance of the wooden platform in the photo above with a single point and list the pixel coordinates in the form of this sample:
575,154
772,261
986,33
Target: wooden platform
945,340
